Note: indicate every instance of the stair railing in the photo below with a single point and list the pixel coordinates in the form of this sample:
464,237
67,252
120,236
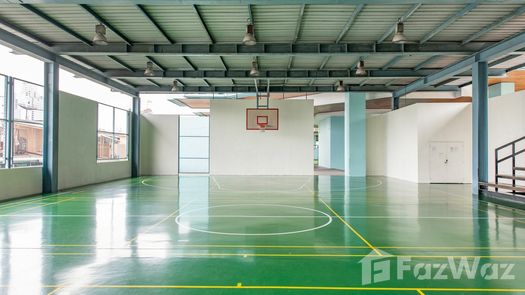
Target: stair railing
512,157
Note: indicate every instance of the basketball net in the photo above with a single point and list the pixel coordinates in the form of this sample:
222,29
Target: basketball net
262,126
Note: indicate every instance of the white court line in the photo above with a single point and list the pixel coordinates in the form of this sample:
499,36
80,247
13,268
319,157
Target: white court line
269,216
298,189
177,220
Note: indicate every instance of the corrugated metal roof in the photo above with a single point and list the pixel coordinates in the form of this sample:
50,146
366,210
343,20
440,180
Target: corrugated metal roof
273,24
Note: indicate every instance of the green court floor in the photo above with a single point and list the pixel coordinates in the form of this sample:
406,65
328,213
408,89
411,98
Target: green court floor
261,235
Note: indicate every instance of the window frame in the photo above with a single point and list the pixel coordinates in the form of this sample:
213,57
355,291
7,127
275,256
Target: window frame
113,134
4,120
10,121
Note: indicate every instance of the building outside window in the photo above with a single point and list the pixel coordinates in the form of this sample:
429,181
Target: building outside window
113,133
28,119
21,124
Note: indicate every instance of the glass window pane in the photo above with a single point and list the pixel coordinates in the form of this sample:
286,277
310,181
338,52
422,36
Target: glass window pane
121,121
27,144
29,102
105,118
194,147
105,146
2,97
193,166
2,143
120,146
194,126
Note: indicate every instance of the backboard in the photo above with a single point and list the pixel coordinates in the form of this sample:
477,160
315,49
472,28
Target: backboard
262,119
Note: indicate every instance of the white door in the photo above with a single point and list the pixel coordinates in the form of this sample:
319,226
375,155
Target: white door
446,162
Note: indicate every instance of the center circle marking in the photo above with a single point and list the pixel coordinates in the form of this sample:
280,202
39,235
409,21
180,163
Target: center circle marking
186,214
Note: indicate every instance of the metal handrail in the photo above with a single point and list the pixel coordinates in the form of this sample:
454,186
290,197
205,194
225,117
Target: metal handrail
512,156
510,143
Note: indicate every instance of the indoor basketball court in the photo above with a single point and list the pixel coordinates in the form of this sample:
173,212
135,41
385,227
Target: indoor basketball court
262,147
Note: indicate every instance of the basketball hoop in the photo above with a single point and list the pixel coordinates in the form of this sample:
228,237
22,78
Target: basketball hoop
262,126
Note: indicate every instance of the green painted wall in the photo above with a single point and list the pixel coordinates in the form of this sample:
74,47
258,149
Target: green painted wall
19,182
77,148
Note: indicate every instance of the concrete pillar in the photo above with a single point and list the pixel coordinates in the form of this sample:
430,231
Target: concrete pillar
135,138
355,134
50,134
480,156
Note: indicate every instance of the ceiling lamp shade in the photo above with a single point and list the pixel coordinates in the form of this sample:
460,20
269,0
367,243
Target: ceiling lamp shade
254,72
399,36
175,87
340,87
361,71
100,35
149,69
249,37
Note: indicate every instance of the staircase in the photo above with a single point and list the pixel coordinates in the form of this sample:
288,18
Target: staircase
515,181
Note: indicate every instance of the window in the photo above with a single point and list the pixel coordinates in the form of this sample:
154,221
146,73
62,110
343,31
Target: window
113,133
28,118
194,142
3,122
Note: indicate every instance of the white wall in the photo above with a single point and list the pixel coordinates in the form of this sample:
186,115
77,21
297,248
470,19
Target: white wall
159,144
77,146
443,122
393,137
392,144
325,126
20,182
237,151
506,124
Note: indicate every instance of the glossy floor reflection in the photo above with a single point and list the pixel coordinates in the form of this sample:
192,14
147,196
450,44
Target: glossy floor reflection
261,235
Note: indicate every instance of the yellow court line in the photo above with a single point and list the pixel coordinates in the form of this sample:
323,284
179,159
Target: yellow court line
44,205
319,288
55,290
285,255
156,224
295,246
420,292
351,228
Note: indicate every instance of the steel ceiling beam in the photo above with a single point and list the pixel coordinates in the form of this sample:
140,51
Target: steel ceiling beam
299,23
231,49
404,17
27,47
121,63
468,8
392,62
252,89
426,62
57,24
142,9
223,63
495,24
350,22
343,32
297,31
156,63
503,59
188,61
286,74
203,24
265,2
493,52
106,23
154,83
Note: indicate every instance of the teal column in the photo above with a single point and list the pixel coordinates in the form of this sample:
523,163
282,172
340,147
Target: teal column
480,113
135,138
50,142
355,134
